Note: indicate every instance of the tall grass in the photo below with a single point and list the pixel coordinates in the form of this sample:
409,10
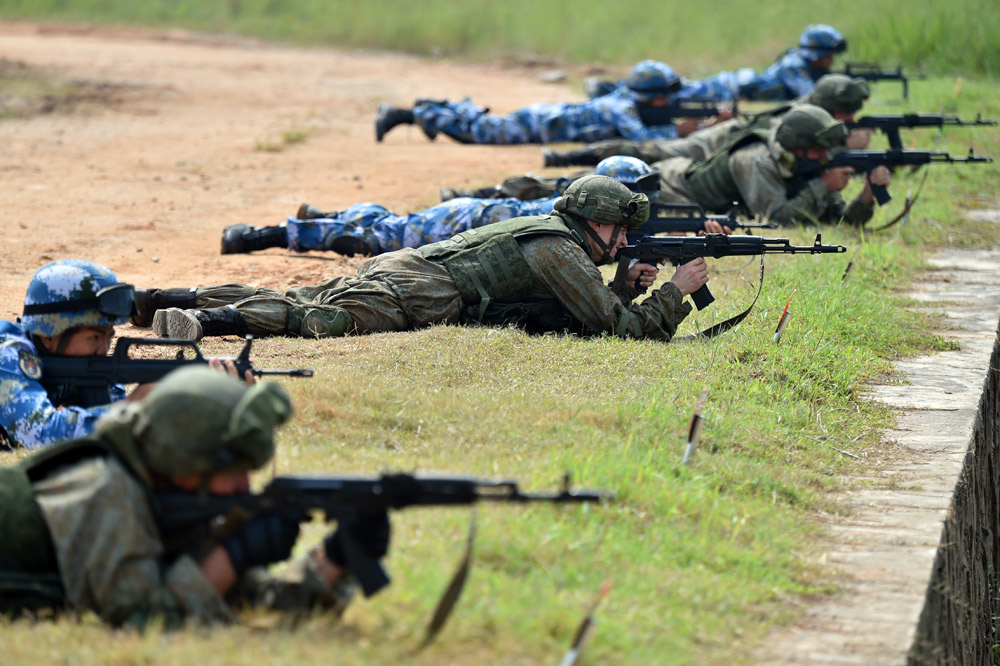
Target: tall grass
694,37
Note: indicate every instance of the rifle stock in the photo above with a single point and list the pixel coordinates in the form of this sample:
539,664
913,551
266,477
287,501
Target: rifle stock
340,497
85,380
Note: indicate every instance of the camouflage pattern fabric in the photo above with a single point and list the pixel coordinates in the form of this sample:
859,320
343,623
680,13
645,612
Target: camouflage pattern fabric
763,189
111,556
604,117
402,290
789,78
384,231
27,416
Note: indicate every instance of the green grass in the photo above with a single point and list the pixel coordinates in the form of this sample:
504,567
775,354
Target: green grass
934,36
703,559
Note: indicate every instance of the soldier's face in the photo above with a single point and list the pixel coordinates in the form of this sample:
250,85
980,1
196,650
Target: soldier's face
85,341
221,483
605,231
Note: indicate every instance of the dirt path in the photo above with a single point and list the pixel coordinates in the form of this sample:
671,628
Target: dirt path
147,184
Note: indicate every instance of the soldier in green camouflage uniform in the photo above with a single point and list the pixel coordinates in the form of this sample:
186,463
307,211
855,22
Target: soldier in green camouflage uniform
757,168
840,95
80,518
538,272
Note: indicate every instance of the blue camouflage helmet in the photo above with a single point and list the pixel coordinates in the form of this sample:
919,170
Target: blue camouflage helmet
70,293
819,40
652,78
631,172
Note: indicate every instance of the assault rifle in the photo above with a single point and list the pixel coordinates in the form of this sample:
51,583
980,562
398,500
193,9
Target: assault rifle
890,125
687,218
863,161
342,497
872,71
691,108
683,249
85,380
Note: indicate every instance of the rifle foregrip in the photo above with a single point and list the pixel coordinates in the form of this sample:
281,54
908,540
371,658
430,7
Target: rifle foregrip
702,297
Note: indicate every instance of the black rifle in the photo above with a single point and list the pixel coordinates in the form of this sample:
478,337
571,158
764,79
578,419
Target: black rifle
344,497
85,380
652,116
683,249
890,124
872,71
863,161
687,218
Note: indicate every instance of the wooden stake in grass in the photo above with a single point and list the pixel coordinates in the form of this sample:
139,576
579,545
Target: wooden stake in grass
585,629
783,321
695,426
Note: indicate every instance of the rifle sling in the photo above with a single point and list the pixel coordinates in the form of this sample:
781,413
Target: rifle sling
724,326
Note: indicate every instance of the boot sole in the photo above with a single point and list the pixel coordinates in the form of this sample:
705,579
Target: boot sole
178,324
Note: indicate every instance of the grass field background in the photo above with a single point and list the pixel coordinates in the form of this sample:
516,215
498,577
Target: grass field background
702,559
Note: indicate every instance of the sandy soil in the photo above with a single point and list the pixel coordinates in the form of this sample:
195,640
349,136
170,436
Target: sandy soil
146,182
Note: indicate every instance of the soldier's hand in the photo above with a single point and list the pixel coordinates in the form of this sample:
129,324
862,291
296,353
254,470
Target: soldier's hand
264,539
139,392
691,277
859,139
713,227
880,175
642,275
837,179
229,368
369,529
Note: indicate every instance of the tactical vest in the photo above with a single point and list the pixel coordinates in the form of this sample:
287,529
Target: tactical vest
29,570
487,265
712,182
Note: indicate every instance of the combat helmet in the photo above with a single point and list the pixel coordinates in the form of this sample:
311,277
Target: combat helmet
70,293
652,78
819,40
838,93
200,421
632,172
808,126
607,202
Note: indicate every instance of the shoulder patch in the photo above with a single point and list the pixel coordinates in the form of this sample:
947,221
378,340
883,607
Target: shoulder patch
30,364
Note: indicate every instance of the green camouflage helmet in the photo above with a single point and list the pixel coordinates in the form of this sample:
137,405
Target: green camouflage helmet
838,93
198,420
808,126
605,201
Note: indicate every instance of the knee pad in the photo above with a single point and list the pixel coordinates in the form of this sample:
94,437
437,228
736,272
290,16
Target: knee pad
319,322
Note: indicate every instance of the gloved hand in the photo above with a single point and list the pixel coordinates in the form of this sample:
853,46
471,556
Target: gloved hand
264,539
370,530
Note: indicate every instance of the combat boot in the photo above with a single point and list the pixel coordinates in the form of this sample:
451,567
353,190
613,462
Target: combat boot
348,246
242,238
307,212
578,157
387,117
493,192
148,301
196,324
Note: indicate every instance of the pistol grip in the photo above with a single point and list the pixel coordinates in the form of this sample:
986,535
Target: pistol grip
367,570
702,297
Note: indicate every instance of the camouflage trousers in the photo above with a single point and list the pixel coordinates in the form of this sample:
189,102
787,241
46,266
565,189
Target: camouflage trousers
396,291
698,146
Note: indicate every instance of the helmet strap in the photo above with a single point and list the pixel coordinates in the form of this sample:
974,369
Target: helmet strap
605,257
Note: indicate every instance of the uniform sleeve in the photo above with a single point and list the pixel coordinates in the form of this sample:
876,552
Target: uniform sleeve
793,72
26,414
623,115
564,271
109,549
299,589
763,189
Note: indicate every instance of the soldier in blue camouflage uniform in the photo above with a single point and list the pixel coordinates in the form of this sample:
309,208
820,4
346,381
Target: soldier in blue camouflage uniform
81,521
371,229
619,114
793,75
71,309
